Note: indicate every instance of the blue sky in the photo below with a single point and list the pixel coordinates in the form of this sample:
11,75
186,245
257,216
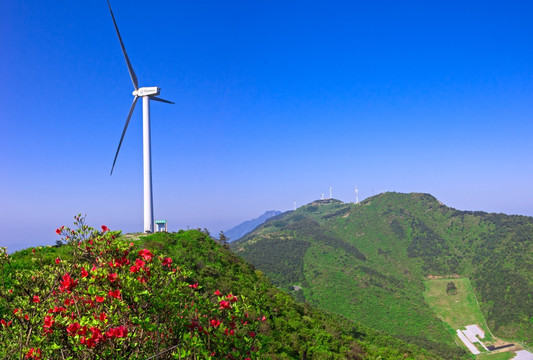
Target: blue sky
275,102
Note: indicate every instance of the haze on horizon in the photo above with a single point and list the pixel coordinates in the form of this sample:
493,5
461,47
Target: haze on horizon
275,103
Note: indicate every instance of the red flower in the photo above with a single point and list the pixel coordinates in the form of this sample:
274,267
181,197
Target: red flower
251,333
194,286
139,263
104,228
34,354
121,331
218,293
36,299
215,323
73,328
146,254
134,269
112,277
16,311
115,294
167,261
118,332
94,339
82,331
6,324
58,232
263,318
84,273
48,322
232,298
58,260
67,283
56,310
120,262
68,302
100,299
102,316
224,305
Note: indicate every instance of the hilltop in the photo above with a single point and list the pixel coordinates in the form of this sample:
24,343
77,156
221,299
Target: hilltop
368,262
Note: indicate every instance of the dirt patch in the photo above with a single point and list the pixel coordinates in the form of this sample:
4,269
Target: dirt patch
437,277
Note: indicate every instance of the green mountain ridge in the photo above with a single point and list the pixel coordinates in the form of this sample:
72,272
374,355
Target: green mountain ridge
367,262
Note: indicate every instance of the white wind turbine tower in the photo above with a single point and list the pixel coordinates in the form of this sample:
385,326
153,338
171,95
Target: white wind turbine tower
331,197
147,94
356,195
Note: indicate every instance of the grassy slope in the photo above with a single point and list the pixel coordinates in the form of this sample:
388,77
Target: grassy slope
291,330
402,238
457,310
497,356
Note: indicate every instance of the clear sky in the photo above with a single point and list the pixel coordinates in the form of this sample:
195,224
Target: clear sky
276,101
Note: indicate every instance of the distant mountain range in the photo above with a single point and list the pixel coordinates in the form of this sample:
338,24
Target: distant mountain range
369,262
237,232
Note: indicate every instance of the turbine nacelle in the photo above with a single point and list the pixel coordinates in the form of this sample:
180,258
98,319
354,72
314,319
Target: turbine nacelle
147,91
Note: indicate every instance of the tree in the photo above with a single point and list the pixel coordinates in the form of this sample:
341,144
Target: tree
451,289
223,240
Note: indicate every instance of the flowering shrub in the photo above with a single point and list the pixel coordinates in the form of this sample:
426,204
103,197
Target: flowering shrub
110,300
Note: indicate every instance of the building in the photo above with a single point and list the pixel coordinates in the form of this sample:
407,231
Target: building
161,225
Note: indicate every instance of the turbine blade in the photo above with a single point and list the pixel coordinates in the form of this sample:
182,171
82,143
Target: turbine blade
130,68
161,100
124,131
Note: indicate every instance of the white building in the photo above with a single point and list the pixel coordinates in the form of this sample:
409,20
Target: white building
161,225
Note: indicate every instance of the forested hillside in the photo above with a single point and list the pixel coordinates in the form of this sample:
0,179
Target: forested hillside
367,262
202,269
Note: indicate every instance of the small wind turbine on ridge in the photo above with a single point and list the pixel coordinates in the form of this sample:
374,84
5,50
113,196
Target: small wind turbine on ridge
147,94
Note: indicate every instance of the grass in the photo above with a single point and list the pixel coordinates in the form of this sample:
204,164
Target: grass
456,310
497,356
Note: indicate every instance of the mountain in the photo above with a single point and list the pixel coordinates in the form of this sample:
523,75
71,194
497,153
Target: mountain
289,330
237,232
368,262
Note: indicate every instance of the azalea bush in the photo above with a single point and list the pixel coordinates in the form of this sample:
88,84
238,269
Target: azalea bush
108,299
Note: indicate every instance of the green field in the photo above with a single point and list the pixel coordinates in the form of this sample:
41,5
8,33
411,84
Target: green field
457,310
498,356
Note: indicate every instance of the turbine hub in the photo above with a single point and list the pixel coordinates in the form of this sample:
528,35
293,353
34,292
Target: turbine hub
147,91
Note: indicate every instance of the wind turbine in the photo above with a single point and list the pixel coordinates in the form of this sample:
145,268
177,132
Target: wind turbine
147,94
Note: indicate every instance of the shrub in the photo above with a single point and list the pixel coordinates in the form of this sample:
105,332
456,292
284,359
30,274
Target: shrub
106,299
